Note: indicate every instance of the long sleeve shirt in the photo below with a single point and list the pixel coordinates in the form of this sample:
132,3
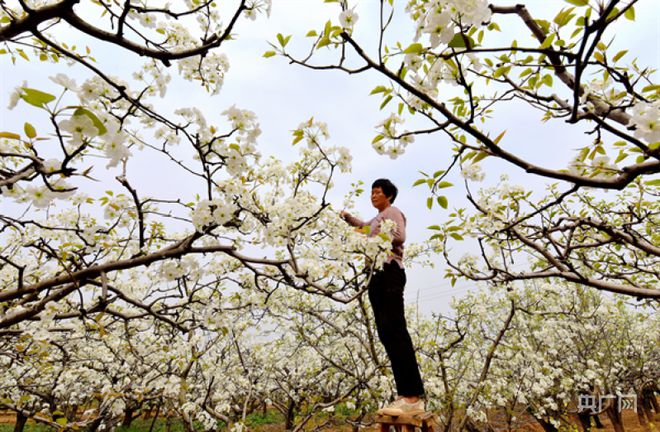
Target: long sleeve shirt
399,233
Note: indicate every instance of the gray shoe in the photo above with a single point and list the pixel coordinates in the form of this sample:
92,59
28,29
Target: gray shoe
400,407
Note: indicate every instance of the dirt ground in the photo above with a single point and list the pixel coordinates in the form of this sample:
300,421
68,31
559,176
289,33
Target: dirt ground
630,422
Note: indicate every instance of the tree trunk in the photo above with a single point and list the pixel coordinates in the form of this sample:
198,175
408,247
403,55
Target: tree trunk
615,417
470,426
585,421
168,422
647,408
641,416
21,419
153,422
94,425
128,417
546,425
290,414
355,427
654,403
599,424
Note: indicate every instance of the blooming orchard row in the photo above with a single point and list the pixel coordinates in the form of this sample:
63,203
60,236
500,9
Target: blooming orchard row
533,350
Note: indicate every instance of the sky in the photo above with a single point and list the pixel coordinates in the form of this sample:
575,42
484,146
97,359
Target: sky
283,95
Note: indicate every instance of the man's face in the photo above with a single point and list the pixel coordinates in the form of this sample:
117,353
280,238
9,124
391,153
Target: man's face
378,199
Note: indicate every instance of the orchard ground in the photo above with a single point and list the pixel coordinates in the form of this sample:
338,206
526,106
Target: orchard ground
272,421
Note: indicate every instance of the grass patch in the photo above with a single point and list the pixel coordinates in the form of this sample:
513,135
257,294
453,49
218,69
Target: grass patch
29,427
260,418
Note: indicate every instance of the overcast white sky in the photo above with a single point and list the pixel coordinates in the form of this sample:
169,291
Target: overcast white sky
283,95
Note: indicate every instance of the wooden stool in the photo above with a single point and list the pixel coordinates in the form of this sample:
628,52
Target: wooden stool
407,422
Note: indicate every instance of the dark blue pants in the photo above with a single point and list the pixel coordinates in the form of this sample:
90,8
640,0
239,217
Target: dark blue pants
386,297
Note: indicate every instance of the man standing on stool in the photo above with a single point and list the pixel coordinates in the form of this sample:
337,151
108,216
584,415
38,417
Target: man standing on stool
386,297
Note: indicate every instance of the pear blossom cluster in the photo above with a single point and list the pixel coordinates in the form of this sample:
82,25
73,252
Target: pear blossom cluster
392,140
212,212
645,118
439,19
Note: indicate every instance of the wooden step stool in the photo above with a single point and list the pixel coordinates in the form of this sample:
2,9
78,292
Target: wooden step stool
407,422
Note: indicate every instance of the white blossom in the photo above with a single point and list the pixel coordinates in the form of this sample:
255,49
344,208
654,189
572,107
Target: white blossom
348,18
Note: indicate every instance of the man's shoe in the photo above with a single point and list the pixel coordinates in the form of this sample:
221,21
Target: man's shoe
400,407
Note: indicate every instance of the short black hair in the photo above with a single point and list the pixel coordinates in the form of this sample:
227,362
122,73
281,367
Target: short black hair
387,187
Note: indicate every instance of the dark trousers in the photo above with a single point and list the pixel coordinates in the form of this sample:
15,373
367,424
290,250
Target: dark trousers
386,297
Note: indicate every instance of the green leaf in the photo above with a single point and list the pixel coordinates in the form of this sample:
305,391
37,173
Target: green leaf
377,138
547,80
434,227
480,156
499,138
612,14
459,41
456,236
564,17
619,55
578,2
419,182
651,88
444,184
283,40
323,42
386,101
438,173
414,48
29,130
311,33
442,200
298,134
630,13
548,41
655,145
655,182
268,54
622,156
378,89
97,123
10,135
429,202
36,97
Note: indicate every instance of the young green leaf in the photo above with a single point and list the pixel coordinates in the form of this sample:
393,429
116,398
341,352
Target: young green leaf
29,130
36,97
97,122
444,184
630,13
10,135
414,48
578,2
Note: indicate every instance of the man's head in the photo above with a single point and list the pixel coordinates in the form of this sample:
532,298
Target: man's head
383,193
